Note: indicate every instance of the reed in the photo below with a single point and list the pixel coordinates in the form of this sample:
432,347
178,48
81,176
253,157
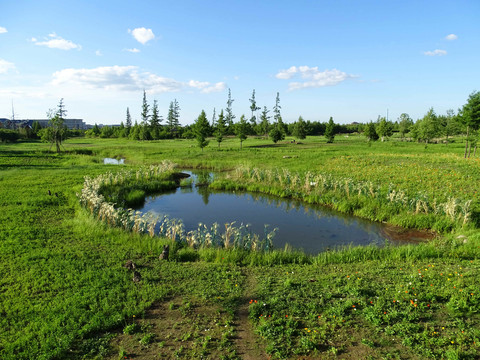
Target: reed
347,194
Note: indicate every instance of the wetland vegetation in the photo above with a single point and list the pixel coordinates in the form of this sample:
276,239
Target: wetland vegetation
66,292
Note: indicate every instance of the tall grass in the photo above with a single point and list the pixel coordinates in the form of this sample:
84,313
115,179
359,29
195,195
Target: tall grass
375,201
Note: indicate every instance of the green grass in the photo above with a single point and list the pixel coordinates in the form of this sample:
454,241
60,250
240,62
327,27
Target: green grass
64,292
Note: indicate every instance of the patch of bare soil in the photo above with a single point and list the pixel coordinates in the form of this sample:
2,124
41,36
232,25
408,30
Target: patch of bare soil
247,344
176,329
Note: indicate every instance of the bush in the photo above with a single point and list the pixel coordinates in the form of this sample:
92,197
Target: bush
8,135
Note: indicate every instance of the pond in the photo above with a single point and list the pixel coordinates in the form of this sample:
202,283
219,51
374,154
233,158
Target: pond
312,228
111,161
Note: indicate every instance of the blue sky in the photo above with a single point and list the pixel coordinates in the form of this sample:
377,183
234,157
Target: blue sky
350,59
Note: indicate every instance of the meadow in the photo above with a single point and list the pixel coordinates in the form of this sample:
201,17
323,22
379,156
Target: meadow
65,293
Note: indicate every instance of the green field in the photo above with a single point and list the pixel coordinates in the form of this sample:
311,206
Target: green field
65,293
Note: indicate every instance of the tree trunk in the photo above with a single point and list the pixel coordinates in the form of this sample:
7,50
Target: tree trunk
475,151
466,145
469,150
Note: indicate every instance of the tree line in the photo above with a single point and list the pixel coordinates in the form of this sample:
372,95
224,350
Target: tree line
432,127
266,123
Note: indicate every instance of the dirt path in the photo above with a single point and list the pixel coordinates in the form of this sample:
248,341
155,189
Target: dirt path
247,344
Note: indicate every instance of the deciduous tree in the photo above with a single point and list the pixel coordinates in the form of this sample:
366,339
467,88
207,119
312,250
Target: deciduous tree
384,128
470,115
370,132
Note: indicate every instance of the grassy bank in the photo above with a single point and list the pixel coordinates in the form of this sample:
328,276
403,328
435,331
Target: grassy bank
66,294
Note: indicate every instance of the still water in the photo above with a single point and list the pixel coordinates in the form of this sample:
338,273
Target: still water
309,227
111,161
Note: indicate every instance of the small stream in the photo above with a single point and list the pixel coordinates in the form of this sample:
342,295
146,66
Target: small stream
312,228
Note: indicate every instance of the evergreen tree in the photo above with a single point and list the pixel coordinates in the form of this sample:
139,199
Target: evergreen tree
300,129
330,131
220,128
277,117
128,121
253,108
61,112
201,130
155,121
264,124
229,117
241,129
145,108
214,119
173,118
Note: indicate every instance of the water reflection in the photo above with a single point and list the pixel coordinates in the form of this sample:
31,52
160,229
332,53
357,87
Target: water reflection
111,161
310,227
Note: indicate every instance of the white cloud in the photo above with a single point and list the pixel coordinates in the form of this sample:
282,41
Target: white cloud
128,78
134,50
6,66
313,77
142,35
287,74
98,53
436,52
3,30
206,87
23,93
451,37
54,41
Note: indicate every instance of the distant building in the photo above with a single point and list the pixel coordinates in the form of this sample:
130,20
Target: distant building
71,124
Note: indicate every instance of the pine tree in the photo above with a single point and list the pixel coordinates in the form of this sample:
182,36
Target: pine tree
330,131
277,117
128,121
145,108
241,130
61,112
264,124
173,117
214,118
220,128
155,121
229,113
253,108
201,130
